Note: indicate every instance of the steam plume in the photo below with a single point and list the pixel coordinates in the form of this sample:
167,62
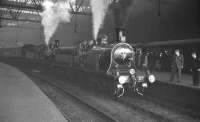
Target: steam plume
53,14
121,10
99,8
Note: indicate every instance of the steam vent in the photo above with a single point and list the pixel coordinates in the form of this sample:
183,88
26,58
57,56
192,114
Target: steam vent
99,60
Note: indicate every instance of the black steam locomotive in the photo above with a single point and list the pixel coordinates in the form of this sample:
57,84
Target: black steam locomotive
115,60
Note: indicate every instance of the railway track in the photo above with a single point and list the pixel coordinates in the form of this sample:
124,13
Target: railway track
111,116
105,115
72,108
136,105
137,109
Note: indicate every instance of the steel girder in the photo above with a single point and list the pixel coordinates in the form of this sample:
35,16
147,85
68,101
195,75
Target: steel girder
12,10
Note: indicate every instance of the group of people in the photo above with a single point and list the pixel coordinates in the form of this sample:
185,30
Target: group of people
177,66
174,62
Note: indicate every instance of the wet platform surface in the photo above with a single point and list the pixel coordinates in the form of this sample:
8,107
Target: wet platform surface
22,101
186,79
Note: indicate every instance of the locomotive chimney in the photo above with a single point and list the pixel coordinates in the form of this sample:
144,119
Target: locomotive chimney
120,35
121,10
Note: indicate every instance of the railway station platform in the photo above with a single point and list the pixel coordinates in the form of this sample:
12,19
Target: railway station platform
186,79
22,101
183,93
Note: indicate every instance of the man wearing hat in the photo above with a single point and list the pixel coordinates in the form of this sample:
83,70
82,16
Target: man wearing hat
177,65
195,68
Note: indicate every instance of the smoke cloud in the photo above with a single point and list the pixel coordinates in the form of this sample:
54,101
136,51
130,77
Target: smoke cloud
99,9
53,14
121,10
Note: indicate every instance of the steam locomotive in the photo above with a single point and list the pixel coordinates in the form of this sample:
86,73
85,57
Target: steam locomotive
115,60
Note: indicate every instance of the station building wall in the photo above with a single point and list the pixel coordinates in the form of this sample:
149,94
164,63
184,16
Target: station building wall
15,35
178,19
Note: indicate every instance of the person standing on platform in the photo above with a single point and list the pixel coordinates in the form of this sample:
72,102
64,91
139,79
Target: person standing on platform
139,58
146,63
195,68
177,65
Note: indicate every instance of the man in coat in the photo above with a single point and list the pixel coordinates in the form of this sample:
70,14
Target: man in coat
177,65
195,68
